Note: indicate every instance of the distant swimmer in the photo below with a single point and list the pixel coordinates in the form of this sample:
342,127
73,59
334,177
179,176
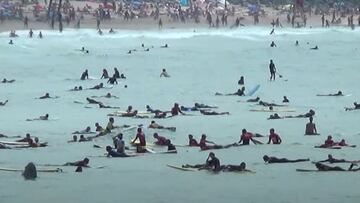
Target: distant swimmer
160,140
47,96
176,110
122,76
262,103
7,81
92,101
272,70
246,137
310,128
306,115
111,31
11,42
31,33
213,113
356,107
98,127
76,88
154,125
273,159
297,43
41,118
285,100
105,74
257,99
164,73
108,95
274,116
40,35
84,139
238,168
272,44
102,106
241,81
84,75
200,106
4,103
239,92
97,87
87,130
192,141
112,80
165,46
74,139
323,167
339,93
36,143
273,137
129,52
82,163
314,48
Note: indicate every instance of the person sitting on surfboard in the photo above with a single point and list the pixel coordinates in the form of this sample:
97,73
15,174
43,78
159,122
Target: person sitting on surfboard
273,137
192,141
339,93
84,75
176,110
82,163
112,80
310,128
25,139
246,137
140,147
105,74
329,142
241,81
160,140
273,159
203,144
212,163
171,148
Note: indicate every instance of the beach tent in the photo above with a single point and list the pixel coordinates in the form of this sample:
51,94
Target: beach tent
184,2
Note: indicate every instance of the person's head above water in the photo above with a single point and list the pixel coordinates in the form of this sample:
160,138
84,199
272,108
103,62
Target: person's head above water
156,135
266,158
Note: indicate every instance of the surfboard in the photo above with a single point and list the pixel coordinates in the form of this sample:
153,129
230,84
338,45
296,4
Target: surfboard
181,168
38,170
14,143
327,147
310,170
252,91
139,112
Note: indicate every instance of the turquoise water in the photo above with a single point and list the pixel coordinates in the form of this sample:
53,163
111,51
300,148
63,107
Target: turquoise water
200,63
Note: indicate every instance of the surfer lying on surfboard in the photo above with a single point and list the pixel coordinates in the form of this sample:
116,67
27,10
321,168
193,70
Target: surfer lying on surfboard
332,160
4,103
339,93
154,125
273,159
356,106
42,118
212,113
239,92
47,96
323,167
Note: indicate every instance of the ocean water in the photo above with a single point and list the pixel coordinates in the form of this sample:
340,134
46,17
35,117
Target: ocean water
200,63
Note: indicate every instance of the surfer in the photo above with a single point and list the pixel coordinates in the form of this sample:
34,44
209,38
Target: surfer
84,75
332,160
164,73
108,95
315,48
76,88
46,96
306,115
98,127
257,99
112,80
273,159
232,168
273,137
4,103
342,143
154,125
176,110
116,73
200,106
165,46
211,113
140,147
170,147
92,101
323,167
102,106
82,163
84,139
339,93
7,81
329,142
97,87
241,81
272,44
87,130
246,137
285,100
25,139
262,103
105,74
160,140
212,163
310,128
272,70
75,139
192,141
42,118
274,116
239,92
356,106
203,144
